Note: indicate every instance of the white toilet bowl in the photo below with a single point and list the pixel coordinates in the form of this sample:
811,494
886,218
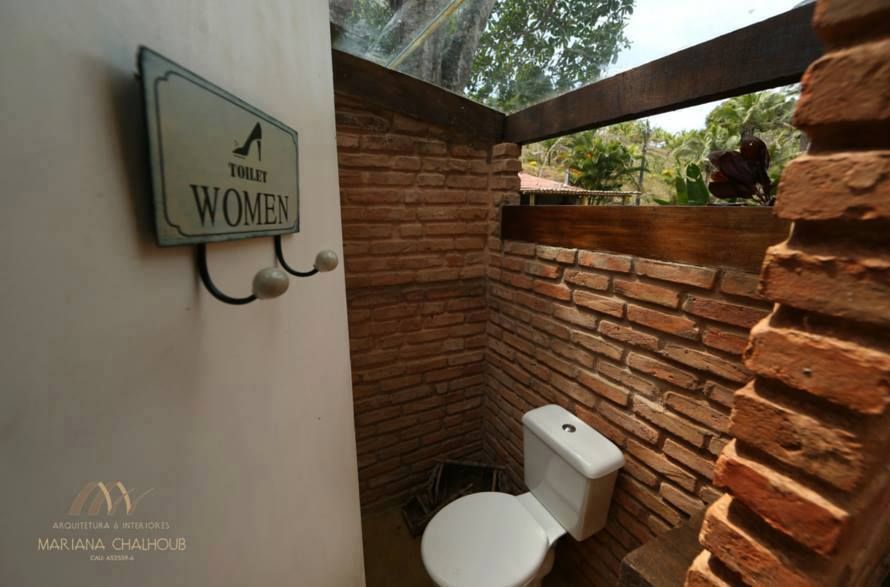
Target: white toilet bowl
500,540
490,540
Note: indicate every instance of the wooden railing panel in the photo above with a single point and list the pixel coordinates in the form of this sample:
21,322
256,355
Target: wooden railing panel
713,235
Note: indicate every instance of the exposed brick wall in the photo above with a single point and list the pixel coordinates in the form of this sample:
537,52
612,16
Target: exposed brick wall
647,352
455,335
807,475
417,206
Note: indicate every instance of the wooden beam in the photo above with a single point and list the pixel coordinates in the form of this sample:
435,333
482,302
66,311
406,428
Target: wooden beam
712,235
765,55
397,92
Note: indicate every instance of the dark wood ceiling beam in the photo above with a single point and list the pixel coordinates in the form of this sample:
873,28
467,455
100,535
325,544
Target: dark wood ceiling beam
397,92
765,55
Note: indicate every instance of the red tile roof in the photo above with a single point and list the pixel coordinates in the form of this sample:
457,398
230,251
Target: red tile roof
533,183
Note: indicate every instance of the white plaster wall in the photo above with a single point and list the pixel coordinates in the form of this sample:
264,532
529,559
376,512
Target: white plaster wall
116,364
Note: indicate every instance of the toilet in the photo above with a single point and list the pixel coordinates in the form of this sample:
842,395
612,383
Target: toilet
495,539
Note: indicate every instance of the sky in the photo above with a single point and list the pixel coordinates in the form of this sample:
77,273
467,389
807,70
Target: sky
660,27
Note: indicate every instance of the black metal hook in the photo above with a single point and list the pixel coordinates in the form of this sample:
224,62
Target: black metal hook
279,254
201,257
269,282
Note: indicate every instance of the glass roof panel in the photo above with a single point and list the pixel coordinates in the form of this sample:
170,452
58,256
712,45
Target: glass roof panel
510,54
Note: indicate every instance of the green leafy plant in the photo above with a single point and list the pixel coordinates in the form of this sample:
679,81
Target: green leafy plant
690,188
696,190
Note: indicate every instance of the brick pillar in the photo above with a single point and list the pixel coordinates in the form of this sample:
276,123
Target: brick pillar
807,475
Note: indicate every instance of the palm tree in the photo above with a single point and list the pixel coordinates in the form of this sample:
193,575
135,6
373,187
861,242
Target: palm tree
693,146
766,114
757,113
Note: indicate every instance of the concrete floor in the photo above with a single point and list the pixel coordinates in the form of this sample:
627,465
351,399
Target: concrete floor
392,555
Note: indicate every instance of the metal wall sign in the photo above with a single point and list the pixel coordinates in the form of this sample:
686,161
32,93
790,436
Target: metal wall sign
221,169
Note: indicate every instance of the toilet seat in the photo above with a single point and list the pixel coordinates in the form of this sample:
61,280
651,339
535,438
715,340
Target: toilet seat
484,540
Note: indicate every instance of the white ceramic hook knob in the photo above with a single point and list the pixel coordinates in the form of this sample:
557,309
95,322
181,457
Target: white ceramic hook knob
326,261
270,283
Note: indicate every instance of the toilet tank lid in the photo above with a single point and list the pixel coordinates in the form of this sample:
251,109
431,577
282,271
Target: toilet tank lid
589,452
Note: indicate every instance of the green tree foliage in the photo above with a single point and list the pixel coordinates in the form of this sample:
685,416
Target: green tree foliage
534,48
597,163
585,158
673,161
760,112
547,158
505,53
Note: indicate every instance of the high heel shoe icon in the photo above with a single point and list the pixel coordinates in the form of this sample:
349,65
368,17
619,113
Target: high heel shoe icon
255,135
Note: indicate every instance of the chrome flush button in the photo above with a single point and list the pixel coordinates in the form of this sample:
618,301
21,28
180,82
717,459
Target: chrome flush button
568,427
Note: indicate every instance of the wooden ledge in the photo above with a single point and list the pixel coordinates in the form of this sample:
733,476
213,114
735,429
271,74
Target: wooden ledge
716,236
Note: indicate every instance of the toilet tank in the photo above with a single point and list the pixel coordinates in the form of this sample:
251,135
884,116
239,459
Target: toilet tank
570,468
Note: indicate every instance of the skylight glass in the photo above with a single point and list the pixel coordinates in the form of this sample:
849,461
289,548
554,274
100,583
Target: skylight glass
510,54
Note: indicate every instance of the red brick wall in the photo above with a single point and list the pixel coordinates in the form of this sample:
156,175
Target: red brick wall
417,206
807,475
647,352
454,335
